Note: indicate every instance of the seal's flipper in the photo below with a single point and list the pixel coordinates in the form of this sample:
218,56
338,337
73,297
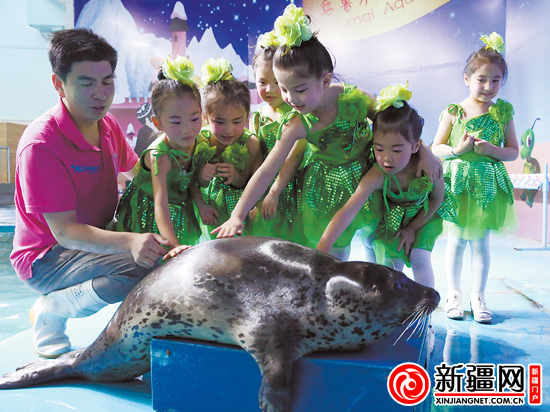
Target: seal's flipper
39,371
275,349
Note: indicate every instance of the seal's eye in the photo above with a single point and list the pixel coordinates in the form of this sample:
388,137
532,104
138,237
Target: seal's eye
375,289
397,286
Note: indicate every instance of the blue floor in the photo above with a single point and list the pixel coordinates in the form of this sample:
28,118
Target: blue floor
518,293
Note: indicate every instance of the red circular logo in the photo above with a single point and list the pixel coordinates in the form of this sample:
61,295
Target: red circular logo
408,384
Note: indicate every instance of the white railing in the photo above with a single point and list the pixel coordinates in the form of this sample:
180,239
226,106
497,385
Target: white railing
5,167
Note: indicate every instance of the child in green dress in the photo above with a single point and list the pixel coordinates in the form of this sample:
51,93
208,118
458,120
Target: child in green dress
475,137
408,216
278,213
227,153
158,199
331,117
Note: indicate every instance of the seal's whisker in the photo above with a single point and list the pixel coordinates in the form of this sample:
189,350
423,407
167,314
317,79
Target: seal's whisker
409,324
417,317
421,321
399,337
409,317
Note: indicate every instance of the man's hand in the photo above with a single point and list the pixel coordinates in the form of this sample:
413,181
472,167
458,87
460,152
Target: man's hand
147,248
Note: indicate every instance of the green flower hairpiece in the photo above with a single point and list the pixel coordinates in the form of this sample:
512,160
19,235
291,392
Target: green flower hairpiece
237,155
422,184
216,70
292,27
269,39
203,152
392,96
181,70
353,106
501,111
493,41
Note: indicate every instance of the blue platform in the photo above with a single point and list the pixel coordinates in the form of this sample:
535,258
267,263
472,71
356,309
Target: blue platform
194,376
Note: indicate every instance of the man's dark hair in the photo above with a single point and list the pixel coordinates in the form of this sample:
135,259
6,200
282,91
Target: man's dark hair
78,45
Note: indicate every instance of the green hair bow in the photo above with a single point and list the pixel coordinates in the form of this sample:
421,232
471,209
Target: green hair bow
269,39
181,70
292,27
392,96
216,70
493,41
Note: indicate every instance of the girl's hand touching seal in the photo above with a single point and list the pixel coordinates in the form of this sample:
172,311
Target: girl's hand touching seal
233,226
176,251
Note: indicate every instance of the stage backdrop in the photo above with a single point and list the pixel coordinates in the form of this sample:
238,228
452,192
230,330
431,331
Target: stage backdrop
374,42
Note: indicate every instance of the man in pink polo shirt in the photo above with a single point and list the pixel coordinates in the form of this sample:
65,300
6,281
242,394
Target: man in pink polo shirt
66,193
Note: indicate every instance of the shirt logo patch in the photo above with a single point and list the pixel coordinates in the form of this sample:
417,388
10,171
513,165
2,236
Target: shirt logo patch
89,169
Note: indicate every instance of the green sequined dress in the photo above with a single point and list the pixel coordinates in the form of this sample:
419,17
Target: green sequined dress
340,155
288,222
136,209
222,197
479,185
397,210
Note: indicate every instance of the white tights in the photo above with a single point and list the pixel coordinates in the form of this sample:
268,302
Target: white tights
421,265
481,260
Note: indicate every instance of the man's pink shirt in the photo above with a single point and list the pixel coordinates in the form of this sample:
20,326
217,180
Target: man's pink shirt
57,170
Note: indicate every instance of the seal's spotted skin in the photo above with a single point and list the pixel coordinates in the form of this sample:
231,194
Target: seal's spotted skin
275,299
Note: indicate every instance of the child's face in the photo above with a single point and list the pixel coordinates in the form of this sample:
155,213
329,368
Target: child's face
228,124
267,86
180,120
485,82
393,152
303,94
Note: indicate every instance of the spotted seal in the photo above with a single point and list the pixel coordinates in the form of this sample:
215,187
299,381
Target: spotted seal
275,299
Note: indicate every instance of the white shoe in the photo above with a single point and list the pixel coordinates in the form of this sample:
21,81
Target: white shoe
453,306
49,338
481,313
85,301
50,312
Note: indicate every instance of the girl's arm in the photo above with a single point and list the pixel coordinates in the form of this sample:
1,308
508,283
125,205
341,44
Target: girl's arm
408,234
286,174
254,124
260,181
441,147
160,195
372,100
508,152
428,164
206,173
208,214
372,180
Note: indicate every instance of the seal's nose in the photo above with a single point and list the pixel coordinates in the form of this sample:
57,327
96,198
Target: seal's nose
433,295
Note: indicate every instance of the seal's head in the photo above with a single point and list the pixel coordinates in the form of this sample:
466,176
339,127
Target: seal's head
374,299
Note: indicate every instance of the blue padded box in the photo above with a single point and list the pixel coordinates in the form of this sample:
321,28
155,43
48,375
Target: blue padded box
196,376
